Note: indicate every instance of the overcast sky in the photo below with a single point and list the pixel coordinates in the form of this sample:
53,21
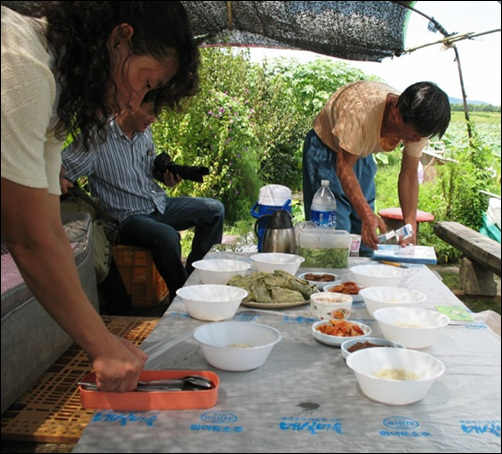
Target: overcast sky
479,57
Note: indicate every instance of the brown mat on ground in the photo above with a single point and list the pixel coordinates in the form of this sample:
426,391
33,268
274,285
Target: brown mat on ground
50,411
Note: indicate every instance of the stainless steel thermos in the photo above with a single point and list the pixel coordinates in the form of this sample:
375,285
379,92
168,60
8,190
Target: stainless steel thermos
279,233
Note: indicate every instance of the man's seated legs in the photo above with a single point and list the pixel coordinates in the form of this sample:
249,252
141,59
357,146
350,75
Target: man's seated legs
159,233
163,240
208,224
205,215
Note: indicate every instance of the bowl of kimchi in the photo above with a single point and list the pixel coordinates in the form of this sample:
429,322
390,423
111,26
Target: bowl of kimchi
347,288
335,332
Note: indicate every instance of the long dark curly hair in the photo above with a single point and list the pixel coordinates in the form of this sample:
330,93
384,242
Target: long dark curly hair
78,33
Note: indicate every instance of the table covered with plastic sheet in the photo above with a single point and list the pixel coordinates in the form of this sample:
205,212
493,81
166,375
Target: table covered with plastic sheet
306,399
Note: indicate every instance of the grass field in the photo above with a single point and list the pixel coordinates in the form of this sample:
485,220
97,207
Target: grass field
477,117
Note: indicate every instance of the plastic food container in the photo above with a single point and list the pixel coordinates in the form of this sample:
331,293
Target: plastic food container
153,400
323,247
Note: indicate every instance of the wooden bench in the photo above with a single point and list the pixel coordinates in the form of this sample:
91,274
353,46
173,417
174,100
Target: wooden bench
482,257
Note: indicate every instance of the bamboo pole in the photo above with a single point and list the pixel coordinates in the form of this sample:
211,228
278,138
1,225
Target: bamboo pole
449,40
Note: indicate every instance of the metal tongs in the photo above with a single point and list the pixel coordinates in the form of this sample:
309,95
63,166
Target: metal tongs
188,383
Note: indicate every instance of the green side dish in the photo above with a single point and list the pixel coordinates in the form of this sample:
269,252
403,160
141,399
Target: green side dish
325,258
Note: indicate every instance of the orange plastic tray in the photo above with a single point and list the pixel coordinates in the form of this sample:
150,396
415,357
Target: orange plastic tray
153,400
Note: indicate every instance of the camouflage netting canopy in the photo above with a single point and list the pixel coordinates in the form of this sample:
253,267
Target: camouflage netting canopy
353,30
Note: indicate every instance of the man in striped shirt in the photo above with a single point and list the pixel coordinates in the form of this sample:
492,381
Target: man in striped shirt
119,172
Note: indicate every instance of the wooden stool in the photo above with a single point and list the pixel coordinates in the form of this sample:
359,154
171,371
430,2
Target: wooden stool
393,218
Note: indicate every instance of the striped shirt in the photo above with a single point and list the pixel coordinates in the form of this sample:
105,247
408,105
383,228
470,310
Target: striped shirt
119,171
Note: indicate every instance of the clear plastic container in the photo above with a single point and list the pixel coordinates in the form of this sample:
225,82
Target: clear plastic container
323,248
323,208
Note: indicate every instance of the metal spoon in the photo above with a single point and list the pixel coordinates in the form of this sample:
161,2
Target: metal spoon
195,381
190,383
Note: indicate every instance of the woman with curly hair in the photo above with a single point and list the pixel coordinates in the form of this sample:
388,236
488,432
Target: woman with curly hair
66,68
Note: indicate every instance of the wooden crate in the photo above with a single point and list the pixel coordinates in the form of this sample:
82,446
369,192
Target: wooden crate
140,276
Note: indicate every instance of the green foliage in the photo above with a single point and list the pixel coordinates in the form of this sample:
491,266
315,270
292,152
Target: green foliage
455,194
475,108
294,95
218,130
248,123
460,183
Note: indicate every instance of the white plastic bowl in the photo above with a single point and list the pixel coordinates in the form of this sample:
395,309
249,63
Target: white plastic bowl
413,327
337,340
211,302
271,261
236,346
370,361
320,284
372,340
379,275
379,297
219,271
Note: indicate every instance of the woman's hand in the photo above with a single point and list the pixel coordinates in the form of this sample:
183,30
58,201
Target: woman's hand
119,365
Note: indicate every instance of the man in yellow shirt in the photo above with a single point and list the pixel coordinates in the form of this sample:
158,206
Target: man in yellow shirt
368,117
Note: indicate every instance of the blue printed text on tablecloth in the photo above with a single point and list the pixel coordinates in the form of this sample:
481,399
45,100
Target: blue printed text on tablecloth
299,319
402,426
404,433
124,418
216,428
312,425
178,314
476,325
246,317
479,427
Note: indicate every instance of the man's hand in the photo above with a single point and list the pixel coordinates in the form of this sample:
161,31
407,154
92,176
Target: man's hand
65,184
171,179
369,228
370,221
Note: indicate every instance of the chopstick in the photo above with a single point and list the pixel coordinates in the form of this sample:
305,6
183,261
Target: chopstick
385,262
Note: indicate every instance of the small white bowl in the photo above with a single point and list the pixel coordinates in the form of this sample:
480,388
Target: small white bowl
219,271
411,326
380,275
333,289
330,306
376,341
337,340
236,346
369,362
271,261
317,279
379,297
211,302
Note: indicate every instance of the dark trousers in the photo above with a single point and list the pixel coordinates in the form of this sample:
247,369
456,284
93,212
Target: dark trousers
159,232
319,163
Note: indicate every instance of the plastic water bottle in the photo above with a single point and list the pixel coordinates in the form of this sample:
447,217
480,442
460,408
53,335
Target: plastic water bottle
323,209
